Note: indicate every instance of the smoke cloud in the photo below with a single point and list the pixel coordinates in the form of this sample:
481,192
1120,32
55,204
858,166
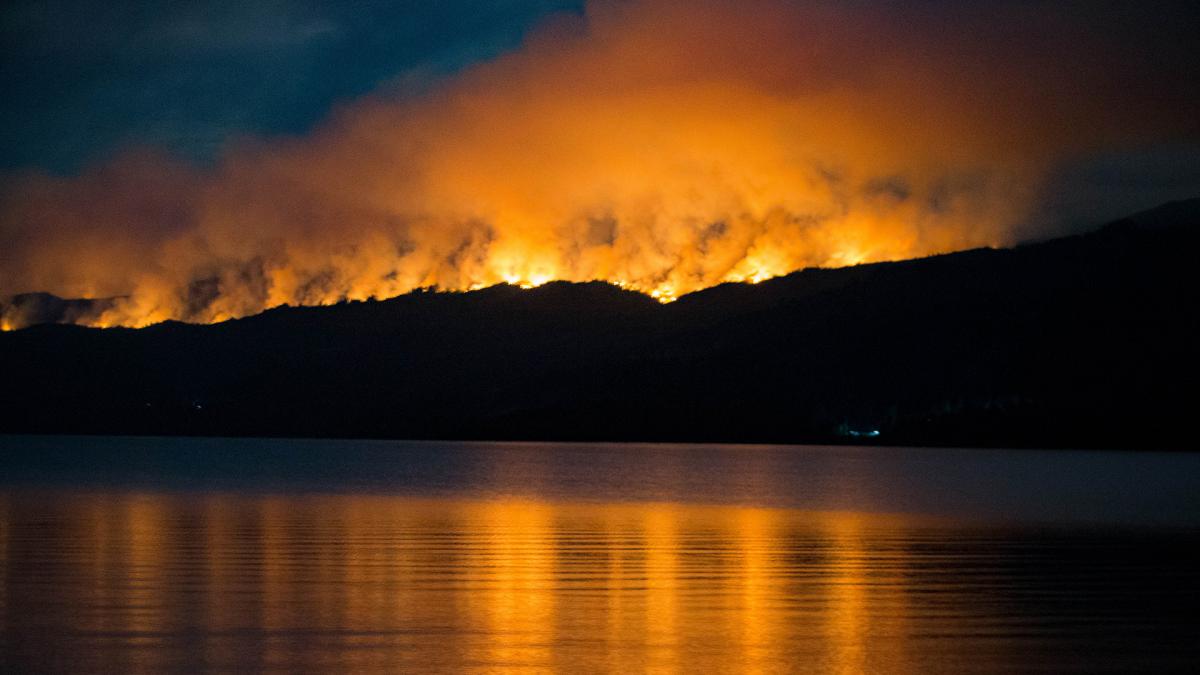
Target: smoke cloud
664,146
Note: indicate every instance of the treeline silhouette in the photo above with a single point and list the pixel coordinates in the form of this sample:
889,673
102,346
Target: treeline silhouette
1085,341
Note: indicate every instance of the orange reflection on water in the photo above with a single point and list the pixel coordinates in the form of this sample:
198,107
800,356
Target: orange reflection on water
515,591
760,589
381,584
662,588
847,614
144,537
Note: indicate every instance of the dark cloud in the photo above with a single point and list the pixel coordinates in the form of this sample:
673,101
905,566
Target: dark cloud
664,145
84,78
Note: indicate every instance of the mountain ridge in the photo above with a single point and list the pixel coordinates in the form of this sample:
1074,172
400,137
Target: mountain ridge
1071,342
48,308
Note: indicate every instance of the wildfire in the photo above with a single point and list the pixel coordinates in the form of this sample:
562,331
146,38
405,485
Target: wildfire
661,146
531,282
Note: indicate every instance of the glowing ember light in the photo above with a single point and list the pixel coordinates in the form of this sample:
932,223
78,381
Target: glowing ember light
663,294
849,257
535,281
695,142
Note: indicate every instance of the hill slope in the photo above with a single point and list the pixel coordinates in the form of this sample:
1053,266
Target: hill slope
1083,341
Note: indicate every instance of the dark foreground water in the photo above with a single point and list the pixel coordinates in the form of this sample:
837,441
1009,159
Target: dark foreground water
171,555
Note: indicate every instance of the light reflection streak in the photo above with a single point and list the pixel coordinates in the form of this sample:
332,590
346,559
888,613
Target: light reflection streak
758,619
144,543
376,584
847,602
662,592
517,593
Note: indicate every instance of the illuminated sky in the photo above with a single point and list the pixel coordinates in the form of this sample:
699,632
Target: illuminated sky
205,161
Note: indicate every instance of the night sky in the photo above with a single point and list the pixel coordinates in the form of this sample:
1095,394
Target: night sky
82,78
209,160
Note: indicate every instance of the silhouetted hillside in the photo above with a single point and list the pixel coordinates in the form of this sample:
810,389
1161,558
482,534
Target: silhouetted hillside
29,309
1082,341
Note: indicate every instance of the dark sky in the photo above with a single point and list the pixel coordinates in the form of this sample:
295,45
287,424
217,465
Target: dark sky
213,158
84,78
81,77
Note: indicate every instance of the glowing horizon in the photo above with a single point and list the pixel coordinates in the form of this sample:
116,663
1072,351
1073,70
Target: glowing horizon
660,146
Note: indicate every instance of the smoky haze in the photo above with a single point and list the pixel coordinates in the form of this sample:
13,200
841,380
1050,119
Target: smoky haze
662,146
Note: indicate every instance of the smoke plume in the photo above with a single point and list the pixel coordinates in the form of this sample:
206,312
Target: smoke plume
662,145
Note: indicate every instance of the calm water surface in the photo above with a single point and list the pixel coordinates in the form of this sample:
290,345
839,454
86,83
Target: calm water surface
172,555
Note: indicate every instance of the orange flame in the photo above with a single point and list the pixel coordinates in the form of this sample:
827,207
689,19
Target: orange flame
662,146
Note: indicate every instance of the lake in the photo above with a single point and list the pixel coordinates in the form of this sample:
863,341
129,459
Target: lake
155,555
